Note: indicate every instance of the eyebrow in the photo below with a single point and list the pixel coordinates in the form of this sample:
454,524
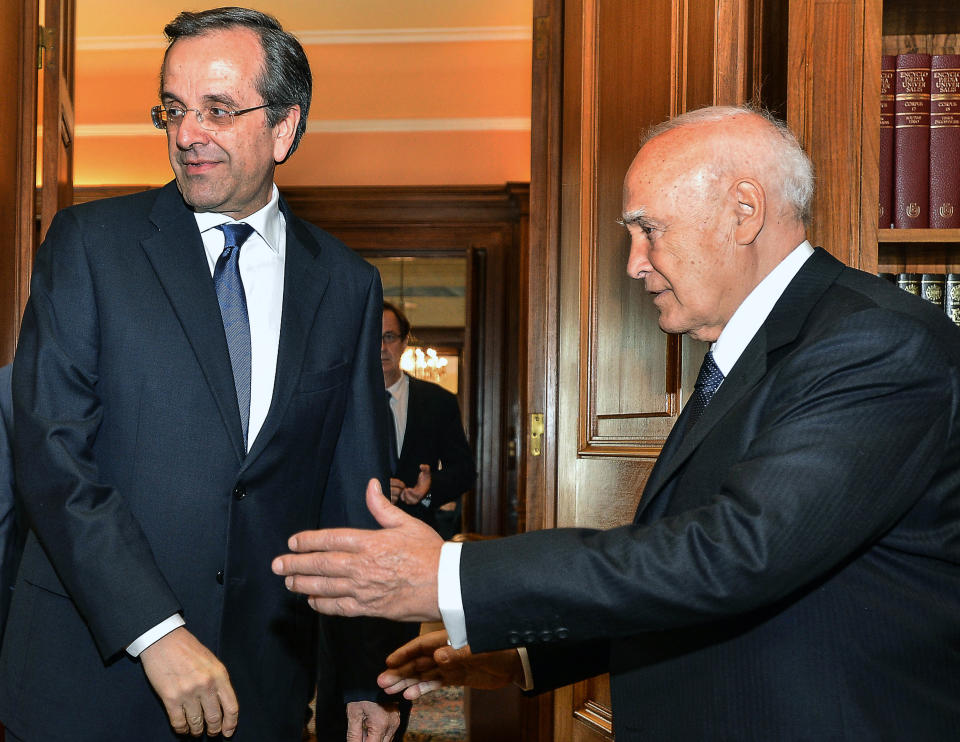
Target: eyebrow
637,217
223,98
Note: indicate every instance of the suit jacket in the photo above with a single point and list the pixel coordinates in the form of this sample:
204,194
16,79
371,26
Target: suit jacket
11,534
130,461
794,568
434,435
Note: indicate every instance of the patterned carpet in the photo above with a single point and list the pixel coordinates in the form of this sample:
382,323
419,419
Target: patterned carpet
437,717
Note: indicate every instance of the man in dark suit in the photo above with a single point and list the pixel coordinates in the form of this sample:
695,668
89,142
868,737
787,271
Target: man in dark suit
196,379
793,570
434,465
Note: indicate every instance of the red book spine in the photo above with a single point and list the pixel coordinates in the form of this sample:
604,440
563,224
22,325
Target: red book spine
888,67
945,141
911,164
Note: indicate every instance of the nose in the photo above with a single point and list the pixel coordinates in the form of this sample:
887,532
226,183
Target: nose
190,132
638,264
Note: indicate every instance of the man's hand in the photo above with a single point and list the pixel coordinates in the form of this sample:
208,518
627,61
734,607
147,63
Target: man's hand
413,495
390,573
192,683
370,722
397,486
428,663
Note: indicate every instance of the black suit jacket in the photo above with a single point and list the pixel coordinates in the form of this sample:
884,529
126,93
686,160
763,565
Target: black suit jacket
434,435
130,462
794,569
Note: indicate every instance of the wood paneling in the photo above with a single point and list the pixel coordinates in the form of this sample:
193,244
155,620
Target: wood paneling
18,121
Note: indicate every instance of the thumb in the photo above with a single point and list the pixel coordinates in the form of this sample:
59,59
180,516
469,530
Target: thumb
386,514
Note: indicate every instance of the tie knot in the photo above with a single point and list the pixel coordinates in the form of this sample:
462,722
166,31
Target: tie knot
710,375
234,235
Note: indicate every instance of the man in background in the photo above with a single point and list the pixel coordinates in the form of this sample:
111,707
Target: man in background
196,379
793,568
433,463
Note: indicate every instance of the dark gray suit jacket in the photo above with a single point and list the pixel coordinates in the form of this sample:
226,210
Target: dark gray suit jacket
793,572
130,462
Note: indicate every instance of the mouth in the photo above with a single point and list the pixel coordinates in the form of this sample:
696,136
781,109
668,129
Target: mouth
198,167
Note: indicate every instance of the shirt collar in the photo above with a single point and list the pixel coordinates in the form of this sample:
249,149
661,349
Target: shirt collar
753,311
266,222
399,387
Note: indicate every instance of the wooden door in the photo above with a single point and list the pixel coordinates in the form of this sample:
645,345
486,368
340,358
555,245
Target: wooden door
58,121
619,383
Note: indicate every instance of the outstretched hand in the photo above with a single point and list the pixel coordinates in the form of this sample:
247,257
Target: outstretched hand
390,573
428,662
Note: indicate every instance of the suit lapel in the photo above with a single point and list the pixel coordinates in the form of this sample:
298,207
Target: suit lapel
781,328
177,256
413,410
304,284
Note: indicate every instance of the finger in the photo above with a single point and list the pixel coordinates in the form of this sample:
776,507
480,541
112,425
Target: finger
231,709
194,715
316,563
178,719
385,513
422,688
355,719
422,645
321,587
347,607
212,715
327,539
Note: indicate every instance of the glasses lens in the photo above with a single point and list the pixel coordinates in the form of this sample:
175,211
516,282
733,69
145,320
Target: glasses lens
159,117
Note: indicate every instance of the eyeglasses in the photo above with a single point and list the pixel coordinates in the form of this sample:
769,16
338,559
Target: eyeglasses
389,338
212,117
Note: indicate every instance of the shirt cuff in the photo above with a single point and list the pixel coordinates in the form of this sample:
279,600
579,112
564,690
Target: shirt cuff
527,672
157,632
448,595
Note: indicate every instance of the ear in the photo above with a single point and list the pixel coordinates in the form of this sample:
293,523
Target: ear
284,133
750,203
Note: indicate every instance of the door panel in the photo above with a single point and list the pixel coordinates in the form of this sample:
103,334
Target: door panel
621,381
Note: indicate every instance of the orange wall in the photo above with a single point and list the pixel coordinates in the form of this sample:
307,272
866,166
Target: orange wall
453,112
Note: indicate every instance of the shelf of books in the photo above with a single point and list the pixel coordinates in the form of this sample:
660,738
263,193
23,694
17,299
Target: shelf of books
919,170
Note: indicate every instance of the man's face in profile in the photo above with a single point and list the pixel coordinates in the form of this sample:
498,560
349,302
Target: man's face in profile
392,346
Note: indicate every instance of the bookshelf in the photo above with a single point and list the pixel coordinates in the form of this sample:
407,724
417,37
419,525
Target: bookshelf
833,103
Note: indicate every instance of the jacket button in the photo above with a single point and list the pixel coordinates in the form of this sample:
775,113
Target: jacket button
239,492
514,638
220,577
562,633
529,637
546,635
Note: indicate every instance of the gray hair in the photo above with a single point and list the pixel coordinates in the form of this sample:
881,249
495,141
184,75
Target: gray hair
286,80
789,164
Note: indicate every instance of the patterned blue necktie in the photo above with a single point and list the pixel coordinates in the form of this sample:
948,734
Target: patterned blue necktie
708,381
233,309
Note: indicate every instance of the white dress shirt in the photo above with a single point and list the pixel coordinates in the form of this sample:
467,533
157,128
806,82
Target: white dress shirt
727,349
261,270
399,401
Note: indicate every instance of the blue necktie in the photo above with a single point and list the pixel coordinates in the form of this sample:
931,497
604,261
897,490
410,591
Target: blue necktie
708,381
233,309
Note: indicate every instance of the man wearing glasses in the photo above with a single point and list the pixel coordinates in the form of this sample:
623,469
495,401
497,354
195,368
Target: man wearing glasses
196,380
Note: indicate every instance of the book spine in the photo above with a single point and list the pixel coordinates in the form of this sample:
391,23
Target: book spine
911,168
931,288
951,297
888,68
945,141
909,282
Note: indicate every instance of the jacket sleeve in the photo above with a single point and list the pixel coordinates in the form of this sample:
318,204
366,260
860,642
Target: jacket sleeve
848,437
360,645
458,473
97,549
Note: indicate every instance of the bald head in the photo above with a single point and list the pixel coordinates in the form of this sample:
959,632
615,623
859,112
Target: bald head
713,201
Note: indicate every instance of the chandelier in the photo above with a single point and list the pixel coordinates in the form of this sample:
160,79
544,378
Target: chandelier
423,363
